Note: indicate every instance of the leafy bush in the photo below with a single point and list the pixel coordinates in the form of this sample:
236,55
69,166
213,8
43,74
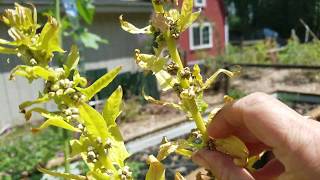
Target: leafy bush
294,53
22,151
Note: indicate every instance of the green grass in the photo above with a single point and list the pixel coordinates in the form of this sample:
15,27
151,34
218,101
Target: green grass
21,151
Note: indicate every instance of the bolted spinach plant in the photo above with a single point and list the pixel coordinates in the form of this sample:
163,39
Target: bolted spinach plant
100,143
167,23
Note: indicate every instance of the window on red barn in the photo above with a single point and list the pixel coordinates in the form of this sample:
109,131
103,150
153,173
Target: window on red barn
201,36
200,3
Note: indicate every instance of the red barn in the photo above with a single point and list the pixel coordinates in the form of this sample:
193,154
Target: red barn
208,34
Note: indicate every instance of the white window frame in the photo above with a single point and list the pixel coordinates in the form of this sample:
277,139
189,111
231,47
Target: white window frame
200,5
201,46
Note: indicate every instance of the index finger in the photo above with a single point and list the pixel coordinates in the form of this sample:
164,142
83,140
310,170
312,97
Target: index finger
258,117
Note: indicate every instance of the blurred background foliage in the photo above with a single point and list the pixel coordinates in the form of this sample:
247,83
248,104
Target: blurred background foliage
247,16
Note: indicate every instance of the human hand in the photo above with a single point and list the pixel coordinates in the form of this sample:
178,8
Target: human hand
264,123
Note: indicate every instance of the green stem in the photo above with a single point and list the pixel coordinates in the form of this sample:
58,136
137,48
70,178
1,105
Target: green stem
58,17
173,50
65,132
66,153
197,117
175,56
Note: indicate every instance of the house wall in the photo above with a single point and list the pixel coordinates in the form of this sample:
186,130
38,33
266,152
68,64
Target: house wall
120,49
213,13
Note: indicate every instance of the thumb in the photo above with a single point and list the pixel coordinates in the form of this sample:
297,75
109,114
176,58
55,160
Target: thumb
220,165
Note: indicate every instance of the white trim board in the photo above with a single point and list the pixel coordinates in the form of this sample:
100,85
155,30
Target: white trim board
201,46
128,64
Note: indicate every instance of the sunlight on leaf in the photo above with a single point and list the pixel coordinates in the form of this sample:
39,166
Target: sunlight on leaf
126,26
58,122
93,121
156,170
234,147
63,175
101,83
112,108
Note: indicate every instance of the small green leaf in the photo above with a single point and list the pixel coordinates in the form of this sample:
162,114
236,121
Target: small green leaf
72,60
77,79
76,147
187,17
126,26
156,170
166,149
165,80
32,72
59,122
201,104
100,83
91,40
184,152
5,50
197,74
49,36
212,78
118,153
63,175
26,104
86,10
93,121
112,108
150,62
187,22
187,7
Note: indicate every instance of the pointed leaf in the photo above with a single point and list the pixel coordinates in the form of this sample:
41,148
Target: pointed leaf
126,26
72,60
93,121
188,21
59,122
100,83
86,10
91,40
77,79
166,149
201,104
5,50
184,152
197,74
76,147
150,62
156,170
26,104
165,80
112,108
32,72
49,36
118,152
63,175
